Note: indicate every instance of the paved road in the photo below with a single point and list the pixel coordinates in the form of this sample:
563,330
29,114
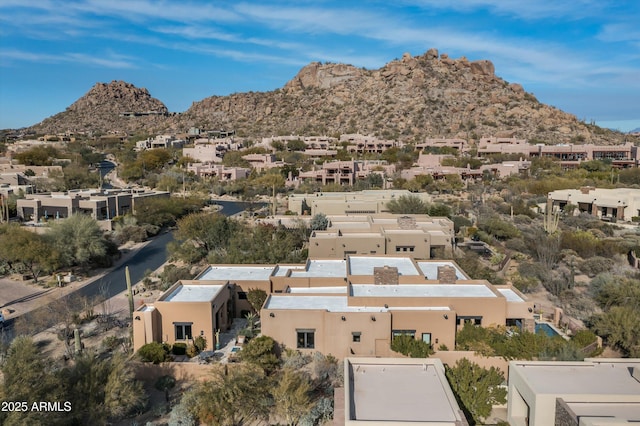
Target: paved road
150,257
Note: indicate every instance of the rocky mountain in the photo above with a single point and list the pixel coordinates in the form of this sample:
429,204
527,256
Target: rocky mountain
409,99
109,107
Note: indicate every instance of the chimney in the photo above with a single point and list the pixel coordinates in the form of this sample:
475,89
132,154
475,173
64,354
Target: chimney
407,222
586,189
447,274
385,275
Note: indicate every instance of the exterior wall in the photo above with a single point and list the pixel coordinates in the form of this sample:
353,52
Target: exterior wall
328,247
146,327
492,310
401,243
206,316
332,335
442,330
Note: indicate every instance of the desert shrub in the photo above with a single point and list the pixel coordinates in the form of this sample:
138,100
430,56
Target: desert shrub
154,352
533,269
295,359
595,265
517,244
525,284
200,343
172,274
408,345
111,342
320,413
179,348
583,338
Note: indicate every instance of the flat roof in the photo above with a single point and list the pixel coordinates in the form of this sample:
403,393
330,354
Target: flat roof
511,295
281,270
579,378
430,269
364,265
328,303
192,293
316,290
421,290
389,391
237,273
629,411
323,268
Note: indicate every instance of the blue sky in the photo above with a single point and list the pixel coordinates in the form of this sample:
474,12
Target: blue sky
581,56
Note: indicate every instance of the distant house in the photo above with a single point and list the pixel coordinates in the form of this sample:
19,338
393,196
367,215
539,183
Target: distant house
607,204
99,204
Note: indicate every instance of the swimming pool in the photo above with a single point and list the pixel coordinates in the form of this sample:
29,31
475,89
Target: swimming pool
543,327
235,349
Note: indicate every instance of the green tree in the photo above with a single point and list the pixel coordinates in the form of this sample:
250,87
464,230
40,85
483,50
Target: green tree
408,204
234,396
296,145
291,396
256,298
619,327
101,389
208,231
79,240
40,156
22,250
476,388
261,352
29,377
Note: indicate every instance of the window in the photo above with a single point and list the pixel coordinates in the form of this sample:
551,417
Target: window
426,337
461,320
306,339
242,295
183,330
356,336
396,333
400,249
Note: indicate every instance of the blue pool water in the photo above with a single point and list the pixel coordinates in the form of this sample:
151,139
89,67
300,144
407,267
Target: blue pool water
235,349
542,327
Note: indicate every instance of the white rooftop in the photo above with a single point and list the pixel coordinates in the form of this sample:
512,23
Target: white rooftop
364,265
430,269
421,290
237,273
193,293
328,303
323,268
316,290
511,295
585,378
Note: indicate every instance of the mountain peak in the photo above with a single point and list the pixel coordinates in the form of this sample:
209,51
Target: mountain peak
114,106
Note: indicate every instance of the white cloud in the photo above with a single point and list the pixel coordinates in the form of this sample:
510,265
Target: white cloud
522,9
109,60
